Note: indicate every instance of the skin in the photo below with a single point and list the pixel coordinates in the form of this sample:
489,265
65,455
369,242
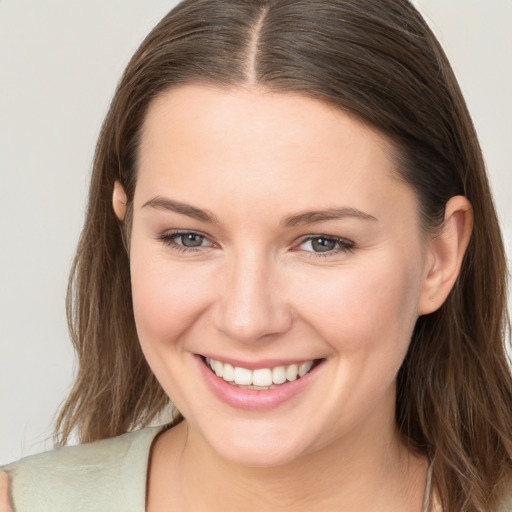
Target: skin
256,290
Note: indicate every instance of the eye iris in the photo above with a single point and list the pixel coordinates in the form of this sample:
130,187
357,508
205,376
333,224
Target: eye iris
323,244
191,240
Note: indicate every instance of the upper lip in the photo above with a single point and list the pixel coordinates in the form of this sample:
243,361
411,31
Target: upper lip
260,363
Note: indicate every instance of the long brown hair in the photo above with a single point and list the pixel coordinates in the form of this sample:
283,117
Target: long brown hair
378,60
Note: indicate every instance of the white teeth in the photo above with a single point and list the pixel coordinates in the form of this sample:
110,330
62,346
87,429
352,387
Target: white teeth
292,372
229,373
218,368
261,378
243,376
304,368
279,375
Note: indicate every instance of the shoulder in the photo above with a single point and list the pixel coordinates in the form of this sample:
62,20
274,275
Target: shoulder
109,473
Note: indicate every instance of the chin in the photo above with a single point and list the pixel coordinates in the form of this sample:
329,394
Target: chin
257,446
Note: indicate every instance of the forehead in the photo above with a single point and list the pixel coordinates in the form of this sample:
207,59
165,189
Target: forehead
251,147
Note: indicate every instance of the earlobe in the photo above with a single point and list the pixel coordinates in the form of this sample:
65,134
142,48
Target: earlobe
119,201
445,254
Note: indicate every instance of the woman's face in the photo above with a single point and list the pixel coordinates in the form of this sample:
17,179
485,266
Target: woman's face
271,236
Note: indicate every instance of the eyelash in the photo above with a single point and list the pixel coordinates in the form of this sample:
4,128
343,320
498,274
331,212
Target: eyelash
170,240
344,245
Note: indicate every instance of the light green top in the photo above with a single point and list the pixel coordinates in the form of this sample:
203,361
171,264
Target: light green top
108,475
104,476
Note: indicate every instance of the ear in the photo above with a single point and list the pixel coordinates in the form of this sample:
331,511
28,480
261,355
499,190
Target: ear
119,201
445,251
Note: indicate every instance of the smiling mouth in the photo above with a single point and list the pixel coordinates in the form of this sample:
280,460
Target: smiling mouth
261,378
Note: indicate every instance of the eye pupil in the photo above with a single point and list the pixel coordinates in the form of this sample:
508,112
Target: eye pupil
323,244
191,240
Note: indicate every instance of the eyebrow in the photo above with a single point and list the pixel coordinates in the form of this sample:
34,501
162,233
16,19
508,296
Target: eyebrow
300,219
314,217
161,203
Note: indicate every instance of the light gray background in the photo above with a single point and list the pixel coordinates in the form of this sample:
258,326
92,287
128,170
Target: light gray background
59,63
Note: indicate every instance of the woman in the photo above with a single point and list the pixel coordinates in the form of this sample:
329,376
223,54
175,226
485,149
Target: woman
288,235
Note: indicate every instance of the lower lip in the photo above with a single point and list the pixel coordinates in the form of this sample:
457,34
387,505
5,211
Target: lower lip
252,399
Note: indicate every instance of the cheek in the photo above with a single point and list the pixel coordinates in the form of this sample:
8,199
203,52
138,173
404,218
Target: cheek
366,316
167,298
362,309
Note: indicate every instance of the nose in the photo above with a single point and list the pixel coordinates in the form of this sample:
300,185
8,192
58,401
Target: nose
251,305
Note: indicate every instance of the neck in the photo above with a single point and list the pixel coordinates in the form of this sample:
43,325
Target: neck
358,472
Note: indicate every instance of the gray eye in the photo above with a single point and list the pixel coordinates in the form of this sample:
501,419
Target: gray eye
191,240
323,244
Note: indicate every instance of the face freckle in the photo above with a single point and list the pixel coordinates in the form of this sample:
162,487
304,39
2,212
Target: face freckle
269,229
